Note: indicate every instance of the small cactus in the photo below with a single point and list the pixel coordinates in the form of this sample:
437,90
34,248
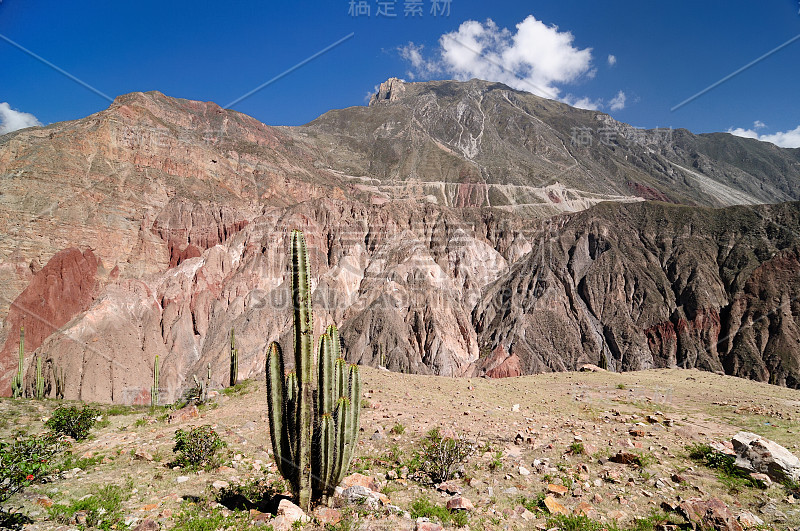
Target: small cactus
39,379
59,378
234,360
17,383
154,389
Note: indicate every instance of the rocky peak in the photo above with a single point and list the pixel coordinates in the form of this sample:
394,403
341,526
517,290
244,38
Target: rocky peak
390,90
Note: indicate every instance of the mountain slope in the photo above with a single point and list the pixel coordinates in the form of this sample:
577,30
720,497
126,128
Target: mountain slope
168,218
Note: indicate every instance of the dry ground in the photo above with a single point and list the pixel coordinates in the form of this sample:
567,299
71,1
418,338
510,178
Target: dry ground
598,410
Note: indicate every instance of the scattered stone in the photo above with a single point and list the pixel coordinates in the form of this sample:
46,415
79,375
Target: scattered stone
624,458
637,432
280,523
763,478
553,507
748,520
427,526
515,408
558,490
182,479
143,455
359,479
524,471
292,512
597,498
147,524
220,484
460,503
44,501
712,513
328,515
185,413
757,454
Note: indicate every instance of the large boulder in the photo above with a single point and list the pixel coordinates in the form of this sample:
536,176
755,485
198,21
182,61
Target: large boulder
757,454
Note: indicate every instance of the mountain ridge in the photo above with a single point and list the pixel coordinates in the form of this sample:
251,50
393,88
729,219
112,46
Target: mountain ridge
417,209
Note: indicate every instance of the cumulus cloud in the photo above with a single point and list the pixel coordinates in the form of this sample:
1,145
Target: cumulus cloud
11,120
612,60
784,139
534,57
583,103
617,103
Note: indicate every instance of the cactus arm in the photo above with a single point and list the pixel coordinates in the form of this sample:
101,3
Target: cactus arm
276,409
326,388
234,360
341,378
325,452
39,379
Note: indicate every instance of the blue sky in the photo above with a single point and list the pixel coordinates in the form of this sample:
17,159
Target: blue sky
665,52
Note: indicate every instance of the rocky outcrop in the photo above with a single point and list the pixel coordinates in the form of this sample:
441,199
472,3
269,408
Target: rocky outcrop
756,454
64,287
654,285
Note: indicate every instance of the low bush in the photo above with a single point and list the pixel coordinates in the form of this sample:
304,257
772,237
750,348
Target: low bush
440,457
26,461
74,422
197,447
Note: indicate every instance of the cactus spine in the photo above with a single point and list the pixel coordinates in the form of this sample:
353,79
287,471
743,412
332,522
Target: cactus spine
17,383
39,379
59,379
154,389
313,432
234,360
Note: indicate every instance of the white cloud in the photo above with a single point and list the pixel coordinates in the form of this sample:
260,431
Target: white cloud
758,124
583,103
534,57
785,139
617,103
11,120
612,60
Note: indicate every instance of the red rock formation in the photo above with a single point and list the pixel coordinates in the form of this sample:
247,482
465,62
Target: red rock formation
63,288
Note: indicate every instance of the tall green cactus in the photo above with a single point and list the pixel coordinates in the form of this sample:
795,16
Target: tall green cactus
234,360
17,383
154,389
39,379
313,432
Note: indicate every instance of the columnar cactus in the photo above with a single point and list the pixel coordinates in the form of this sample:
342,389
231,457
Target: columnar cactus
313,432
17,383
234,360
39,379
59,378
154,389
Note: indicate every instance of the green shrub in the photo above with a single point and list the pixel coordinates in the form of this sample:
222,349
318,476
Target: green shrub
439,457
397,429
197,447
72,421
576,448
26,461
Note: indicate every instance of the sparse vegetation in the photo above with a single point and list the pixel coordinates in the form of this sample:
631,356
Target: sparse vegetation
101,509
397,429
727,472
576,448
422,507
73,422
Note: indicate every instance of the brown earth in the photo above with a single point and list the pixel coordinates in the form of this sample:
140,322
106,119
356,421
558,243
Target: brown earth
530,421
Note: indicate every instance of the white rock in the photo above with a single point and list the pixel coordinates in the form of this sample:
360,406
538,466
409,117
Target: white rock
292,512
524,471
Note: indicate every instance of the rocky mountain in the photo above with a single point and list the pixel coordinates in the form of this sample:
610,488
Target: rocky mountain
157,225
